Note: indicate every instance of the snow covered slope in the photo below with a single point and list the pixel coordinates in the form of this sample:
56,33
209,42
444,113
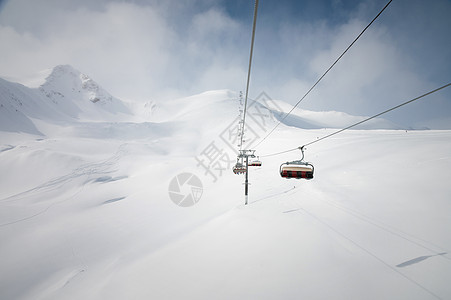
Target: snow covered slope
18,105
86,213
66,96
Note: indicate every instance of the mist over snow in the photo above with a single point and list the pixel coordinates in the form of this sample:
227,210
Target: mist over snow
102,198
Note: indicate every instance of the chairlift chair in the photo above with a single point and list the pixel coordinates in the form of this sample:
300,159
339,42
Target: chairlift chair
255,163
298,169
239,167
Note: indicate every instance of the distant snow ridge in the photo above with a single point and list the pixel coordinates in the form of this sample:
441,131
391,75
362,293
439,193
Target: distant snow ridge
307,119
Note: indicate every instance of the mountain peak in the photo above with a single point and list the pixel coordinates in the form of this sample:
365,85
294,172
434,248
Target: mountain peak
62,70
75,92
69,77
62,73
66,80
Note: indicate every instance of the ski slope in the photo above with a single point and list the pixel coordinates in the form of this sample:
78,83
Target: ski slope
85,211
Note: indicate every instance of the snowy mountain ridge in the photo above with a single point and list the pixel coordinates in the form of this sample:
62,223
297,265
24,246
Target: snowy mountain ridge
67,95
66,83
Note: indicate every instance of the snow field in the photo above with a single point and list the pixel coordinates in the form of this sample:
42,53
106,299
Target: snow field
85,211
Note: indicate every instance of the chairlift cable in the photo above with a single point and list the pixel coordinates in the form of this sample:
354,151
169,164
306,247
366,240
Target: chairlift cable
377,115
360,122
241,167
249,72
281,152
327,71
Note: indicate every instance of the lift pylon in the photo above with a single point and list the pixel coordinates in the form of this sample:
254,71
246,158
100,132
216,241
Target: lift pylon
244,155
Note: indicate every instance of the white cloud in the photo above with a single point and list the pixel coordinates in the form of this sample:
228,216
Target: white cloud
158,49
129,48
370,75
384,68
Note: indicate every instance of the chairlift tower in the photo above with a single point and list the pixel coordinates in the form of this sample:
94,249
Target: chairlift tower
244,155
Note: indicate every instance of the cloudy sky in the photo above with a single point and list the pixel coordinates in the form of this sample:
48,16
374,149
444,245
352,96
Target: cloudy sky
161,49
